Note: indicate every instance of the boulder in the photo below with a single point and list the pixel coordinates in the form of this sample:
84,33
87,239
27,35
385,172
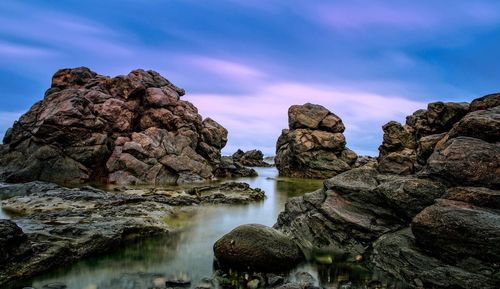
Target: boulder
131,129
313,146
455,230
257,247
466,161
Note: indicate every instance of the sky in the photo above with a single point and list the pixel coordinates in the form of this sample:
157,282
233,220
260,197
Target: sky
243,63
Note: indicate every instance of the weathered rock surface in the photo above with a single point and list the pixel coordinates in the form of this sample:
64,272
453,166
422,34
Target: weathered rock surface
355,208
257,247
131,129
229,168
398,254
428,212
313,146
61,225
456,230
251,158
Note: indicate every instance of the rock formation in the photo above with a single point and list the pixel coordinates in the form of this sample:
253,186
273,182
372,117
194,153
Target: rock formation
313,146
131,129
429,212
251,158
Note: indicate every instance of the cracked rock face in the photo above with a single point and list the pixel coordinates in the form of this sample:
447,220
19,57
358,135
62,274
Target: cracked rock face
314,144
131,129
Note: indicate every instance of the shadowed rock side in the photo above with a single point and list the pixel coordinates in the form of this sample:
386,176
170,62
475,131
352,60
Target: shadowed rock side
429,212
313,146
131,129
61,225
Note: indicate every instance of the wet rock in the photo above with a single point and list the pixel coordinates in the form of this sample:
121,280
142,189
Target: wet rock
178,282
276,280
304,279
131,129
62,225
313,146
257,247
13,242
253,284
57,285
251,158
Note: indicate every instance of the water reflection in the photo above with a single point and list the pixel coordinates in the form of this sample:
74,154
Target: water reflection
189,252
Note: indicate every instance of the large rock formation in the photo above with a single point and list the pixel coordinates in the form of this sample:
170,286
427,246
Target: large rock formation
429,213
131,129
313,146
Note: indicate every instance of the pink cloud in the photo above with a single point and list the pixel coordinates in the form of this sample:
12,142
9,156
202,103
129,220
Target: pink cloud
257,118
226,68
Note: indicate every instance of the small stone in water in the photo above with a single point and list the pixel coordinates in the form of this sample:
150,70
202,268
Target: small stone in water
325,260
275,281
56,285
178,283
253,284
159,281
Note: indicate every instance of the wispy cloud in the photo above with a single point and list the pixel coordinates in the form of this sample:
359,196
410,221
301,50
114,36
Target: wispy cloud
260,116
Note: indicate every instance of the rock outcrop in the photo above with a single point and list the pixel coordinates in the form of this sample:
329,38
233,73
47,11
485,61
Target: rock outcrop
54,225
313,146
429,212
257,247
251,158
131,129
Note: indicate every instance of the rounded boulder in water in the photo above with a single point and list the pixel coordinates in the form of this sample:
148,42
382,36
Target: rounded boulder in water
257,247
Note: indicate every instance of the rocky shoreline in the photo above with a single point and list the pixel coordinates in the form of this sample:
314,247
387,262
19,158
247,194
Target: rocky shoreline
54,225
427,211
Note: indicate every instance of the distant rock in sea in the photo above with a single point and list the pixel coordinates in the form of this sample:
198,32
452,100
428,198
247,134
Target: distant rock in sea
314,144
131,129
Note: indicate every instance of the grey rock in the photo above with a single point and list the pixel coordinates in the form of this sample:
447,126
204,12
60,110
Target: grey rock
257,247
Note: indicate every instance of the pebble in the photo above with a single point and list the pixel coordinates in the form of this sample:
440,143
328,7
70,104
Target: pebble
253,284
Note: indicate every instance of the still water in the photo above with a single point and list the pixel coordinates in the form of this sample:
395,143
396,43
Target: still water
189,253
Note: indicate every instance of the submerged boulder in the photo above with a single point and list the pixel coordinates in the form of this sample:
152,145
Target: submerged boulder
131,129
313,146
257,247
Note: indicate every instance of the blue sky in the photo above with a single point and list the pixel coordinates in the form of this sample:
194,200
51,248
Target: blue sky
244,63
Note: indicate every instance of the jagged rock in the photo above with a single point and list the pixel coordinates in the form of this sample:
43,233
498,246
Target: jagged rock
314,146
251,158
485,102
229,168
131,129
481,124
402,145
257,247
